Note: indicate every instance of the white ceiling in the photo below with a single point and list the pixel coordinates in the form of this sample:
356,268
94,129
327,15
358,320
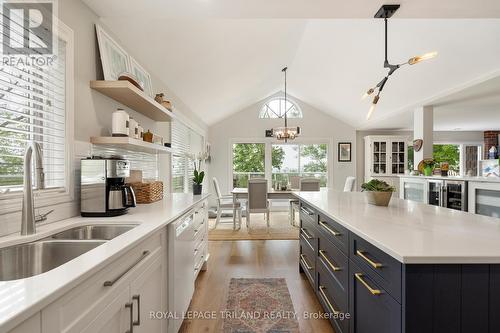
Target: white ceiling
219,66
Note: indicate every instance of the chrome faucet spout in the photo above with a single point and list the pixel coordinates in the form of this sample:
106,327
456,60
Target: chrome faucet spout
28,208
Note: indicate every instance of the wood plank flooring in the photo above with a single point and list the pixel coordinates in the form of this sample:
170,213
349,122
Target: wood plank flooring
252,259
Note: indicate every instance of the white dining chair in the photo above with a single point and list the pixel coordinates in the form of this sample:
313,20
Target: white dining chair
226,203
306,184
257,199
349,184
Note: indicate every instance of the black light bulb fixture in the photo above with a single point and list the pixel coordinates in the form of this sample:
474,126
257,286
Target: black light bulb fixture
286,133
385,12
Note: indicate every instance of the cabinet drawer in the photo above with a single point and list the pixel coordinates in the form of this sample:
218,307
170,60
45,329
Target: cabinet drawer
307,213
334,231
372,308
335,265
307,260
333,300
200,217
380,266
83,303
309,233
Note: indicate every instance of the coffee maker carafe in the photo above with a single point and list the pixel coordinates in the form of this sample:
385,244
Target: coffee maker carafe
103,189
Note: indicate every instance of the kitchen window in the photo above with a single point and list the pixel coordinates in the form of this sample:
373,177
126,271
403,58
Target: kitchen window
36,105
186,143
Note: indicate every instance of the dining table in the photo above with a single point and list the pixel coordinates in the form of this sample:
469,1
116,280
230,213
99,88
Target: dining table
242,193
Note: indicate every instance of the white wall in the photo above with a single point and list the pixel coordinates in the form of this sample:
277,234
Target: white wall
92,110
246,124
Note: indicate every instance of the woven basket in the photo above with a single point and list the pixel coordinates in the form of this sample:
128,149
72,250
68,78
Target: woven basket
148,192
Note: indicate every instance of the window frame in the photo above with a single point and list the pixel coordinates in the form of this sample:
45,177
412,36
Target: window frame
268,158
290,100
461,147
10,201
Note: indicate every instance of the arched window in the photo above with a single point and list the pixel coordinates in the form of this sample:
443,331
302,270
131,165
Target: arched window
276,108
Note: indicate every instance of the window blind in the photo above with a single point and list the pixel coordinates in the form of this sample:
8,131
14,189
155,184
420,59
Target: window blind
185,143
32,107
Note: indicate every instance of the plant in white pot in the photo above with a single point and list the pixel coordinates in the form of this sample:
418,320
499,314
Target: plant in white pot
378,192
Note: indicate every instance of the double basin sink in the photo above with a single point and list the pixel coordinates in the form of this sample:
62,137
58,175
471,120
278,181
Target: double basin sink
30,259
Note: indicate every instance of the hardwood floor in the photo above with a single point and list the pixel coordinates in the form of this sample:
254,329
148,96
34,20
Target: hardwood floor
252,259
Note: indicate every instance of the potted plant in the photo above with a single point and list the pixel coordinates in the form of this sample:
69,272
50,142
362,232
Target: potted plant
198,176
378,192
429,164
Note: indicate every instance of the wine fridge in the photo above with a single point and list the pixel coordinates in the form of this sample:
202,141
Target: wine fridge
447,193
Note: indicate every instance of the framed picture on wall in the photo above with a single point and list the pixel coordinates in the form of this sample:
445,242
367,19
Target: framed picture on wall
115,60
142,76
344,151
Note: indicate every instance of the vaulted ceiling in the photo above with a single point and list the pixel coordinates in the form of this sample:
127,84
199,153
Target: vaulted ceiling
222,55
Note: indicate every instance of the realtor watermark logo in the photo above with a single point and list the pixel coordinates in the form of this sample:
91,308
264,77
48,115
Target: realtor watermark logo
28,32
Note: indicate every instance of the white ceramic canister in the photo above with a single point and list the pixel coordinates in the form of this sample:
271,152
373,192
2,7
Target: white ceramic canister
134,128
120,123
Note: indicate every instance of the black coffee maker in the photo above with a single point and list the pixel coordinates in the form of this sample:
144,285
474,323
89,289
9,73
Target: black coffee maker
103,189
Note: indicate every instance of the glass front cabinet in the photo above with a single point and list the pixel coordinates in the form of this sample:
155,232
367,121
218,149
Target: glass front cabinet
414,189
386,155
484,198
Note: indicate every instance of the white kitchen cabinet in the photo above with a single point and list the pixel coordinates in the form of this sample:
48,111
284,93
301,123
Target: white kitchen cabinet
386,158
414,189
102,303
147,296
30,325
484,198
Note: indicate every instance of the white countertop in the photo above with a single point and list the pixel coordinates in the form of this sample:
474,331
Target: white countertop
466,178
413,232
20,299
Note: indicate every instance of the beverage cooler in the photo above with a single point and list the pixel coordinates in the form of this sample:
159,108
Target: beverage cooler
447,193
484,198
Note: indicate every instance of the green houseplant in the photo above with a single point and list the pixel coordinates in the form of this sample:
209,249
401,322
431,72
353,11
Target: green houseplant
198,177
429,165
378,192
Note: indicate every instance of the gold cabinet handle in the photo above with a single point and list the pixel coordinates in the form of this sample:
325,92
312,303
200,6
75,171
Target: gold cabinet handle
332,266
304,261
368,260
304,231
330,306
359,277
329,229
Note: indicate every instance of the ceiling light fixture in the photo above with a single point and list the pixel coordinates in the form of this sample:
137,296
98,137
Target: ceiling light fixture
385,12
286,133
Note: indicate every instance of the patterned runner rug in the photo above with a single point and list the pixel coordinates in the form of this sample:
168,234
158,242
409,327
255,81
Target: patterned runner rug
259,306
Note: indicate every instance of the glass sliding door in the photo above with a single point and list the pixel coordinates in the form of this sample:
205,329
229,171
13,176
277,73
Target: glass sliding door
304,160
248,162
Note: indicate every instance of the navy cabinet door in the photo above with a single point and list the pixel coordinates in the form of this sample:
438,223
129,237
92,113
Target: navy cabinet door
371,307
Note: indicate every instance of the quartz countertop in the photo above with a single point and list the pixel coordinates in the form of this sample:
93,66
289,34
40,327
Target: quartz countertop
465,178
413,232
20,299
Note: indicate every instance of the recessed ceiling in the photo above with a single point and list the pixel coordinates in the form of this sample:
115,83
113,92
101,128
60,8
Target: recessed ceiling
219,66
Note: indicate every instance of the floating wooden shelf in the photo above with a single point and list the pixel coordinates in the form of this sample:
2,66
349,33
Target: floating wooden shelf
127,94
130,144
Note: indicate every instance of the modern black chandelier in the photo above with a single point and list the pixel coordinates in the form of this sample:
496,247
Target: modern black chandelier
385,12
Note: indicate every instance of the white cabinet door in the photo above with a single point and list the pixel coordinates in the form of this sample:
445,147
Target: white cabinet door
31,325
148,292
115,318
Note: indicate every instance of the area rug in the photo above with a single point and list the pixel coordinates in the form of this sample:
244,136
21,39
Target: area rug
259,306
280,229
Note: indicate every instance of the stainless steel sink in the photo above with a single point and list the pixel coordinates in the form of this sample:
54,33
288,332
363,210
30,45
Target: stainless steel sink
101,232
29,259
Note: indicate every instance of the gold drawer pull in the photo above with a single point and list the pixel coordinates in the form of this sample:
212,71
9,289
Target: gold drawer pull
375,292
304,261
368,260
330,230
332,266
330,306
304,231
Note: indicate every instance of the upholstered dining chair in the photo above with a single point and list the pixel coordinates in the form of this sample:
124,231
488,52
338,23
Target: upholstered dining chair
226,203
257,199
294,182
306,184
349,184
